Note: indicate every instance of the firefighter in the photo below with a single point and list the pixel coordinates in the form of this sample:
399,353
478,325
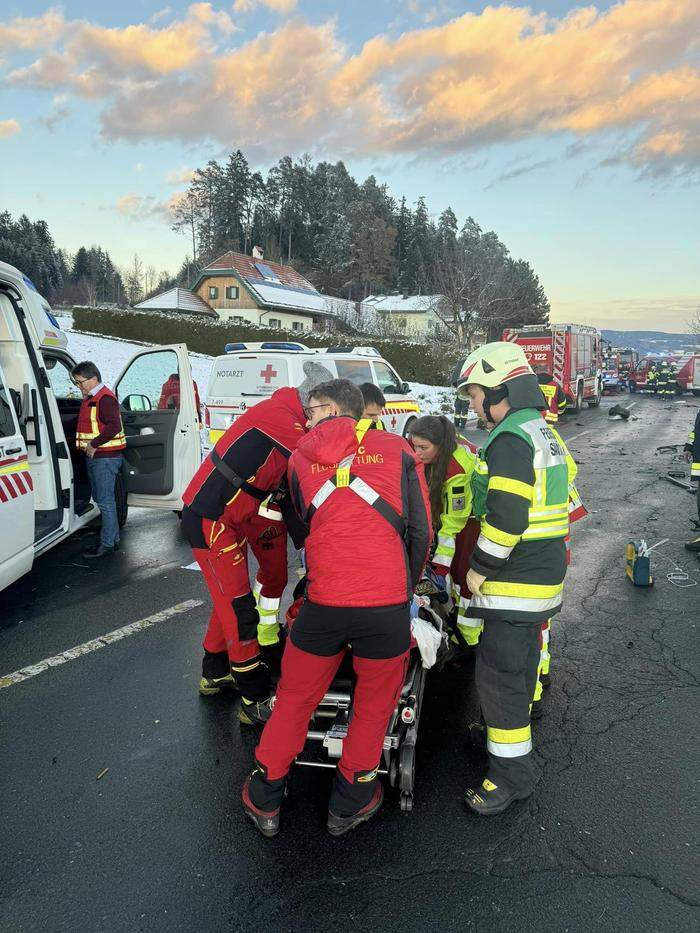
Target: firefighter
671,381
661,379
692,456
652,381
375,403
449,462
518,566
364,497
221,516
99,434
553,395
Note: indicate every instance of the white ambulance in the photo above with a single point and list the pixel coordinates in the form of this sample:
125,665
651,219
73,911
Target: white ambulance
44,490
250,372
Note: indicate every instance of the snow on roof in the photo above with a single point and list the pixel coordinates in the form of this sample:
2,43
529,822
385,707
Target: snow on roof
405,304
176,299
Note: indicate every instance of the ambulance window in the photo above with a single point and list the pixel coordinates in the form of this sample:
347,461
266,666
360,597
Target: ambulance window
387,379
7,422
58,372
152,381
356,371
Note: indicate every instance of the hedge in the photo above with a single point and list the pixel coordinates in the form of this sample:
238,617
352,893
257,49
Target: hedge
414,362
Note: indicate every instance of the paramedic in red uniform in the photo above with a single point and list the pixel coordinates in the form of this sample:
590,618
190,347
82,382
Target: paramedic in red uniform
364,497
221,516
99,434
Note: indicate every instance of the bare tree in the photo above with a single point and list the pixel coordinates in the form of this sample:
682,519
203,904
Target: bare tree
185,213
133,281
693,323
88,291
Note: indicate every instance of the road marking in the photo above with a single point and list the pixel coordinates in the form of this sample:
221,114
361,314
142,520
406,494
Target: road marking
26,673
193,566
568,440
630,407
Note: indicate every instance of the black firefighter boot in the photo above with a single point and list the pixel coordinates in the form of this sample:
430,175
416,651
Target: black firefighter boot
489,799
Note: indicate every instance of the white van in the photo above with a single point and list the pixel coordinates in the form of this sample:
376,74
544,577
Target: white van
44,490
251,372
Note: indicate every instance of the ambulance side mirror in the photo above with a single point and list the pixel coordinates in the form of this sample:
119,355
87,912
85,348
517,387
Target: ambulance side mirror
137,403
405,388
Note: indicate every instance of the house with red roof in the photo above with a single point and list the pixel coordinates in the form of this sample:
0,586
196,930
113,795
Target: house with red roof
249,289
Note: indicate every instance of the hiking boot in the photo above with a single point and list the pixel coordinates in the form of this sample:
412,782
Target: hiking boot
101,550
339,825
255,713
216,674
693,545
488,800
266,822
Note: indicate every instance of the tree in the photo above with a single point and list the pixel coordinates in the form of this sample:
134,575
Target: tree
133,281
694,323
371,250
185,217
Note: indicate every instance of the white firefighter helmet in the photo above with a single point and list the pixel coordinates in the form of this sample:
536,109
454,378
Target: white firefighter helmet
497,364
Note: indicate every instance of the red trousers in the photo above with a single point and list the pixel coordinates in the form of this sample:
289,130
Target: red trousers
305,678
234,619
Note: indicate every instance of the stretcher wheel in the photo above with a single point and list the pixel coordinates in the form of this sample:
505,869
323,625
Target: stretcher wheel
393,773
407,770
406,803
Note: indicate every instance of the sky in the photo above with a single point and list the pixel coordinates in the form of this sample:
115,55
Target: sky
570,130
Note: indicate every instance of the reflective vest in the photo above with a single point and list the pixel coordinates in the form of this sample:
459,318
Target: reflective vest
456,504
549,390
90,425
549,506
510,593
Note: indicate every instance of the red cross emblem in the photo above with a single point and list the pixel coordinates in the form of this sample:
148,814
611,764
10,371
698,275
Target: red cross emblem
393,421
268,373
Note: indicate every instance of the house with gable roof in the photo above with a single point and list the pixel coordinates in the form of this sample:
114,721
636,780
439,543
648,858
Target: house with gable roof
247,289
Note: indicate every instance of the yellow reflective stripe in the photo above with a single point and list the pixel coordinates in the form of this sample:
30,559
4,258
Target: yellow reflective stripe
502,483
526,590
215,435
498,536
508,736
21,467
549,531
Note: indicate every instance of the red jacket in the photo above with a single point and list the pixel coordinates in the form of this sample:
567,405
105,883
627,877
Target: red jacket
354,555
256,447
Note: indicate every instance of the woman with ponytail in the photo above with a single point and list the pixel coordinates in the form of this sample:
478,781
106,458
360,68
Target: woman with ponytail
449,461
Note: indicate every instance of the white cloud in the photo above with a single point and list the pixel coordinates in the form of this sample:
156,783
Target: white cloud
180,176
9,128
503,74
277,6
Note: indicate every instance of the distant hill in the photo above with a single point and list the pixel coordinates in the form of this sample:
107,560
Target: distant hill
651,341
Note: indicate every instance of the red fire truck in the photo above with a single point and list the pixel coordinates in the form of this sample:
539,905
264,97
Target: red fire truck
687,370
572,353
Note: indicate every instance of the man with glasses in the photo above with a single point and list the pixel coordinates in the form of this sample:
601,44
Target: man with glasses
362,494
100,436
225,510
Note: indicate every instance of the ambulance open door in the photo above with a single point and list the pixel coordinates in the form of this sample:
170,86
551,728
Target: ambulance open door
158,408
16,494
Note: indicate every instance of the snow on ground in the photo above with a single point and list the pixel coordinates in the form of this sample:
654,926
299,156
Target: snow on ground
112,354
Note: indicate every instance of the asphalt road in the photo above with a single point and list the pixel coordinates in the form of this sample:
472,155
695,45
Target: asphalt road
159,841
